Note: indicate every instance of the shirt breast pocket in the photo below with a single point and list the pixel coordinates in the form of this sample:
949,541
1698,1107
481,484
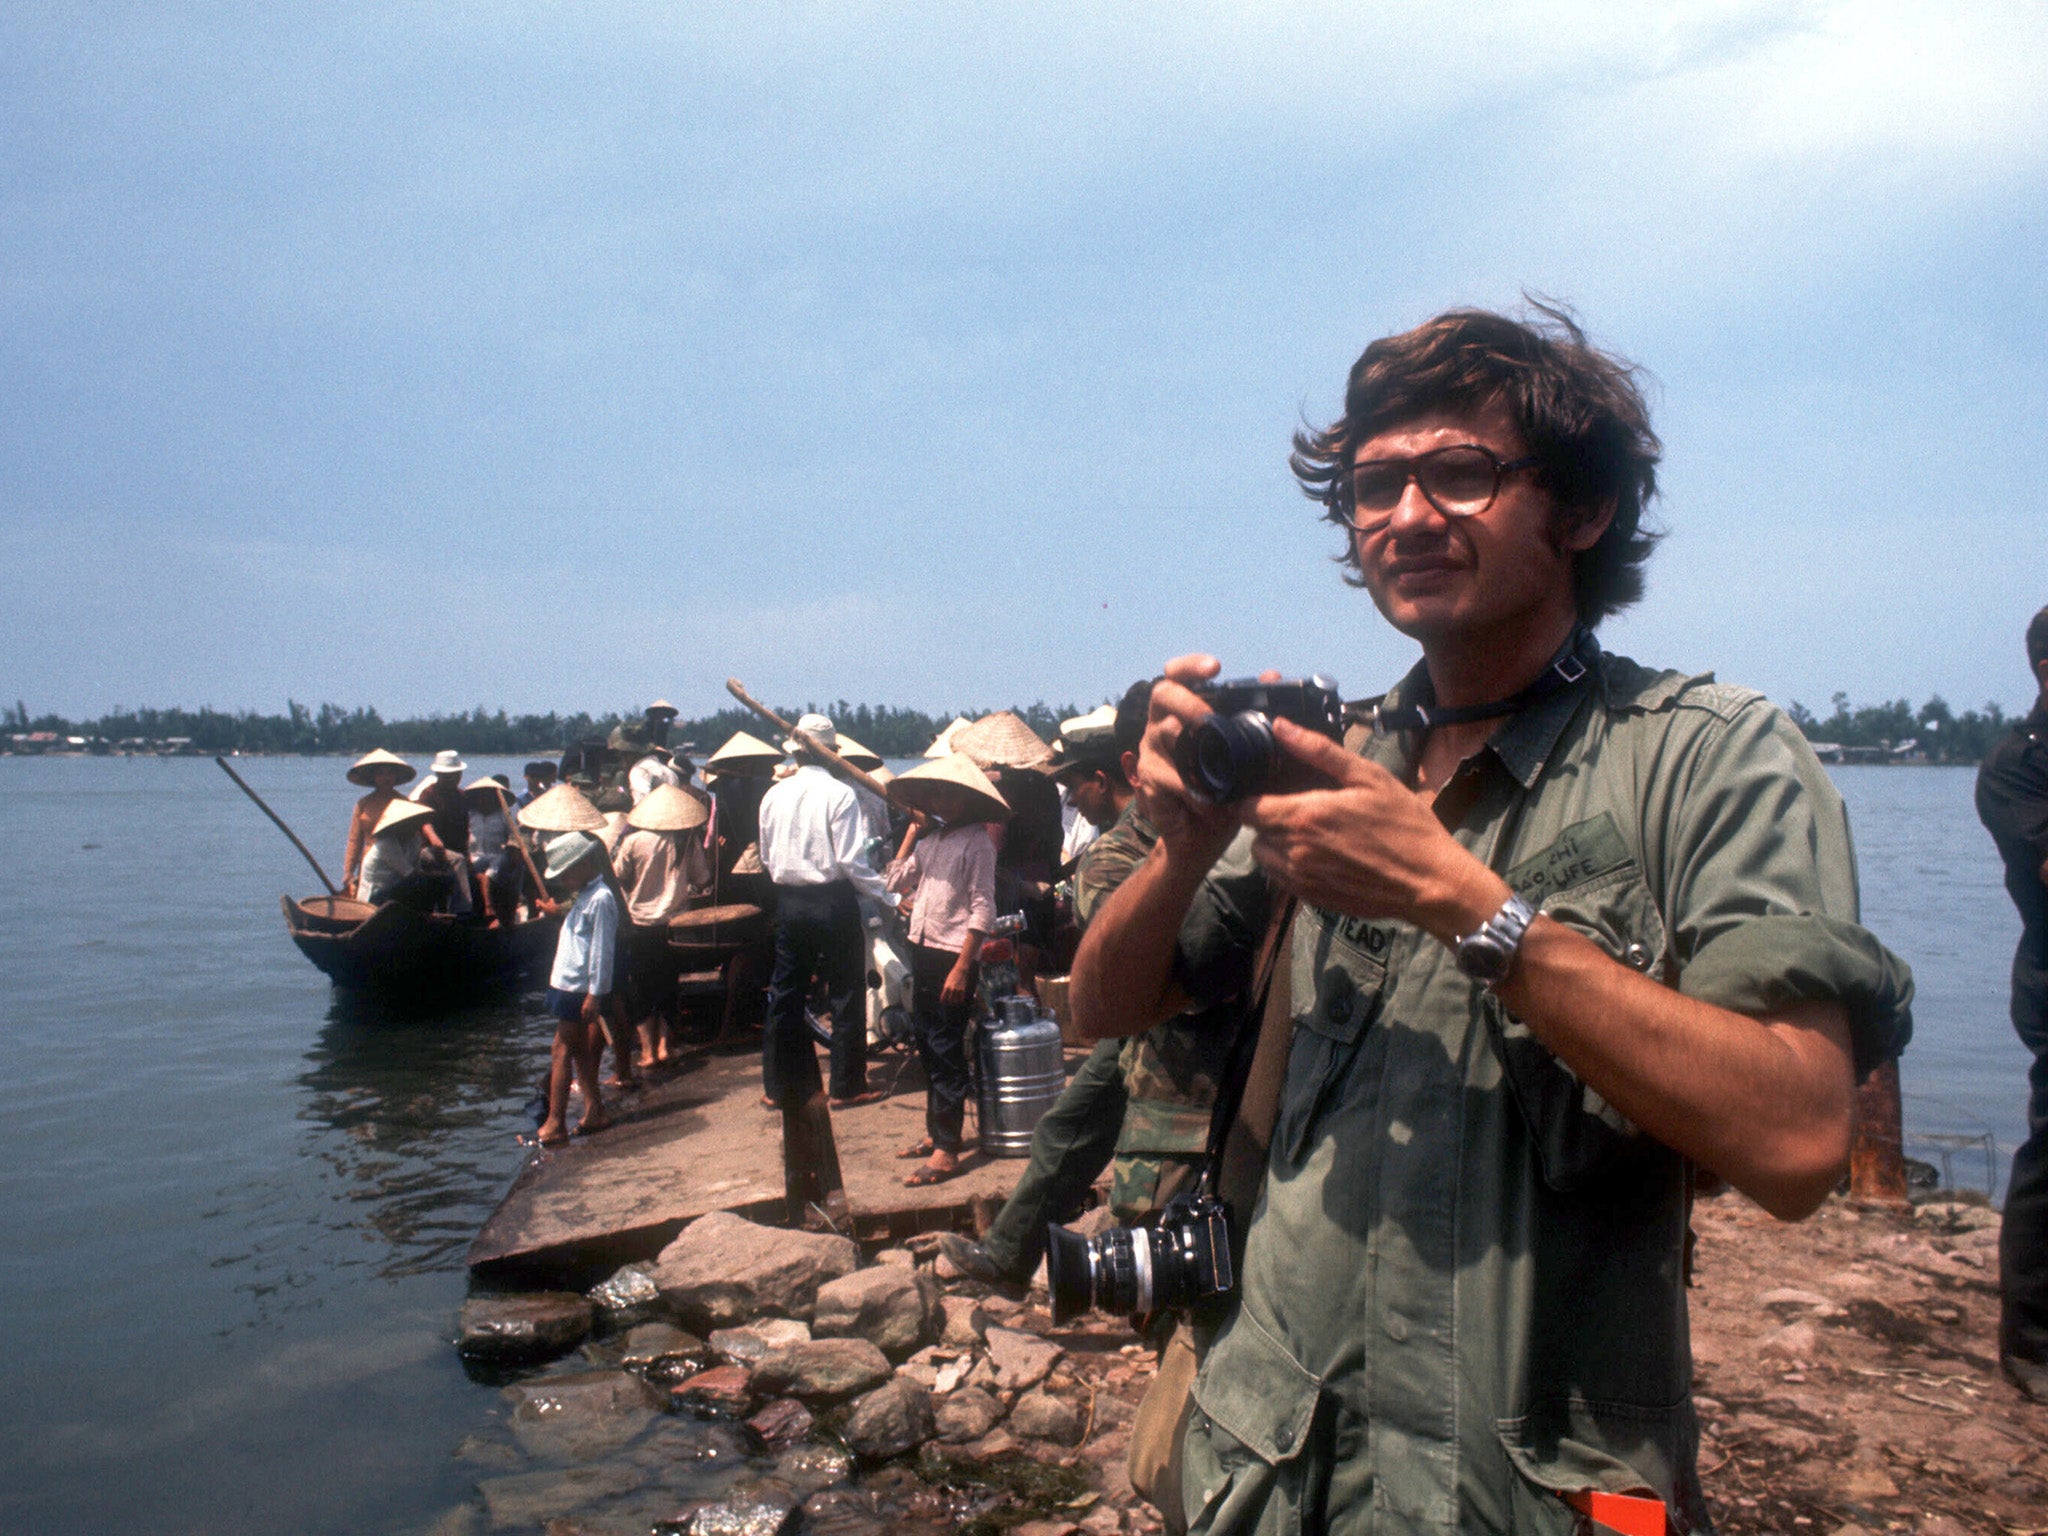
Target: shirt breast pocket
1339,993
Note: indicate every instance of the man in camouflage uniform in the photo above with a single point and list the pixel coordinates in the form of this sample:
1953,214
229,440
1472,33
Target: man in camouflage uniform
1569,930
1144,1101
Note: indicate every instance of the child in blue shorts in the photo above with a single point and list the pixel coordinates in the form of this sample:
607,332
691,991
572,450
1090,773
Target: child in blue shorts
581,981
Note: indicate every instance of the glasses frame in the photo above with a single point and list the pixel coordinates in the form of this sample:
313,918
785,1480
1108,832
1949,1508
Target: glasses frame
1346,509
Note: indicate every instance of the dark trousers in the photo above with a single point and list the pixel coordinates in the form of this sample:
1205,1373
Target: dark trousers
817,938
941,1043
1072,1145
2023,1240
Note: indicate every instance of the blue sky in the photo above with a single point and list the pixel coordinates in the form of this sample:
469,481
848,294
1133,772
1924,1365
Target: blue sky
558,357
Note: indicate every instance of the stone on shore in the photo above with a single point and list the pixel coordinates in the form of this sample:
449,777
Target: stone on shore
724,1389
889,1306
1042,1416
580,1416
823,1370
894,1418
650,1342
965,1322
745,1346
629,1296
965,1415
783,1422
1021,1360
744,1515
805,1469
535,1326
724,1270
534,1498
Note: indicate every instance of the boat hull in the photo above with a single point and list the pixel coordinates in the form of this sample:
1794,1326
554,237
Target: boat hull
400,952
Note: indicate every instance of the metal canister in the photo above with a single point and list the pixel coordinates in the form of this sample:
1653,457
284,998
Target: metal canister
1023,1070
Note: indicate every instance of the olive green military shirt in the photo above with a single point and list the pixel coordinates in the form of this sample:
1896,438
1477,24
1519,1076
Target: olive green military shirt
1171,1071
1465,1258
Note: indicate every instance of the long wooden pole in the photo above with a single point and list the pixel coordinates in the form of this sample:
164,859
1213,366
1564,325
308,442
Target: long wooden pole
866,781
519,837
287,831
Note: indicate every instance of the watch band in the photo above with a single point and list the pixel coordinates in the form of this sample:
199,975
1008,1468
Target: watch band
1487,953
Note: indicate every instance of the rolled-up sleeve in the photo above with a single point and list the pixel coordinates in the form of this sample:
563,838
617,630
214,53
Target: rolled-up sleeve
1761,894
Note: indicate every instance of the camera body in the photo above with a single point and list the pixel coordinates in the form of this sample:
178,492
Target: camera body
1232,754
1181,1260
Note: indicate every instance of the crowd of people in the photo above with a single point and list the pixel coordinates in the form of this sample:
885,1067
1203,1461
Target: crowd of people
1489,991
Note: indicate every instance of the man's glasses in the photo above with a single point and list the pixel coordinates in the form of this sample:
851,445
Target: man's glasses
1459,481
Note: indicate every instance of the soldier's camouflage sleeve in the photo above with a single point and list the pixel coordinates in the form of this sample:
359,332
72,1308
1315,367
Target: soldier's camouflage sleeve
1108,862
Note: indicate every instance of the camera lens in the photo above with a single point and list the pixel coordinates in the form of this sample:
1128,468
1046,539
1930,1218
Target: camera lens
1109,1273
1228,757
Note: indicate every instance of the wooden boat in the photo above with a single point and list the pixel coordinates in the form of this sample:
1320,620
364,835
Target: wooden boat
397,950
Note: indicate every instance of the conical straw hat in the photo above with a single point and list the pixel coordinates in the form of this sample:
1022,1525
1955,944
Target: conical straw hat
912,790
1002,740
668,809
402,812
487,790
565,808
943,742
359,770
744,754
861,757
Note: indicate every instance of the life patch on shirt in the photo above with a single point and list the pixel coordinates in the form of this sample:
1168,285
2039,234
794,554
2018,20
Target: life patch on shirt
1584,851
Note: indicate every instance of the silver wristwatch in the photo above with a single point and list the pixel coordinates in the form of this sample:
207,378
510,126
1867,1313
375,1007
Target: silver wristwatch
1487,953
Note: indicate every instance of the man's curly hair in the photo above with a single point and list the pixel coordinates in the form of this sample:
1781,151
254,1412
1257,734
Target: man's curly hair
1579,410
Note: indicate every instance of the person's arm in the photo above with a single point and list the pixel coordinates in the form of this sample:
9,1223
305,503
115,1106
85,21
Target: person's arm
1123,977
352,858
1763,1100
978,876
604,933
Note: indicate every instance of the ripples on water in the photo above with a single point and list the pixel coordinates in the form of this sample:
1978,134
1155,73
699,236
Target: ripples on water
236,1206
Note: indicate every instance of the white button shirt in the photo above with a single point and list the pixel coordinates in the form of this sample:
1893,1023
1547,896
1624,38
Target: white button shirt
649,773
812,833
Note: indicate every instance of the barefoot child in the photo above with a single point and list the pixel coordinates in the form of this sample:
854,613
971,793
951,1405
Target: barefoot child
581,982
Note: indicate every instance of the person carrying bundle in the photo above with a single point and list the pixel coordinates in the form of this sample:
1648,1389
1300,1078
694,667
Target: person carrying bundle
949,874
660,864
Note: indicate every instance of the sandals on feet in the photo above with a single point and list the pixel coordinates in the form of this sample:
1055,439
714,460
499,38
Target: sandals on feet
928,1175
922,1149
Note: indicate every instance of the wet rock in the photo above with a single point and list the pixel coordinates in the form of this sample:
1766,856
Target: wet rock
743,1515
783,1422
808,1468
887,1306
844,1512
1042,1416
462,1520
965,1415
580,1417
649,1342
629,1296
535,1326
684,1453
964,1322
534,1498
725,1269
745,1346
489,1455
823,1370
894,1418
724,1389
1021,1360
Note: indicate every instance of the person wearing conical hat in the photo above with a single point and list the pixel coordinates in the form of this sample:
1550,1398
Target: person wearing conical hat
580,984
948,872
811,847
381,773
493,865
660,864
874,810
391,866
659,716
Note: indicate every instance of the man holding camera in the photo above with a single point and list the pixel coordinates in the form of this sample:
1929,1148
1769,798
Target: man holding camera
1567,934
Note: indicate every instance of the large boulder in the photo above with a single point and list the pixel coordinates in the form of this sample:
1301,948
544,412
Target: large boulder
823,1370
724,1270
888,1306
894,1418
536,1326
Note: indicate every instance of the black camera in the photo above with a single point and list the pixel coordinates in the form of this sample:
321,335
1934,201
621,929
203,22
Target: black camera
1232,754
1182,1260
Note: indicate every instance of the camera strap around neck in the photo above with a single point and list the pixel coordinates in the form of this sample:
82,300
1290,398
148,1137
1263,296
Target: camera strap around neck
1566,667
1233,1164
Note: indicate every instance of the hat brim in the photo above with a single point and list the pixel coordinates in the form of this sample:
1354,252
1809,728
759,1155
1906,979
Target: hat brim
365,774
669,809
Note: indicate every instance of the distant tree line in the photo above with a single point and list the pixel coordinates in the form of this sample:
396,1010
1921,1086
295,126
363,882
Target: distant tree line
1942,734
890,731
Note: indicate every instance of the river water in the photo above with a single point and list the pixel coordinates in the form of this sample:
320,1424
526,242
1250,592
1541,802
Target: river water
235,1205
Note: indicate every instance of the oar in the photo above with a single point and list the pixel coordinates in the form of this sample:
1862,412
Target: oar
519,837
287,831
867,782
